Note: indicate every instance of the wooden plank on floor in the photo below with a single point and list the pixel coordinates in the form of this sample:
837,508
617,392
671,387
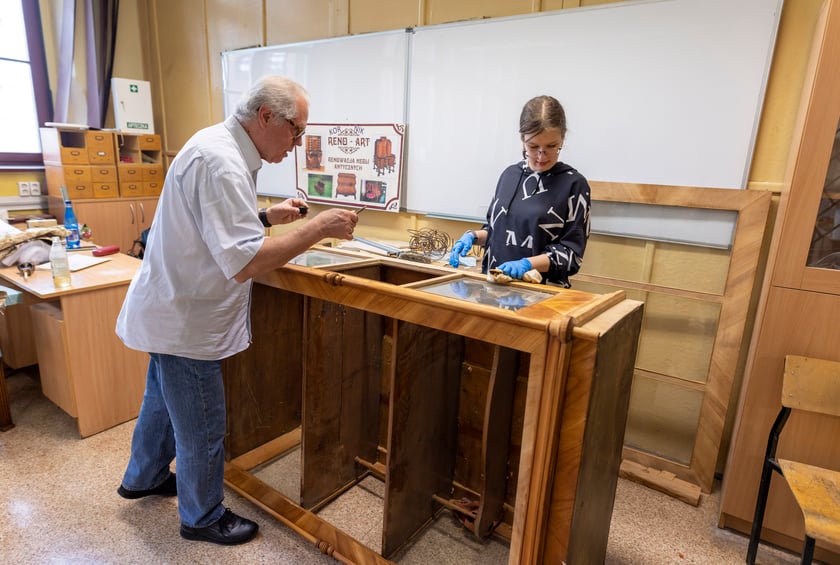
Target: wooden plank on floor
662,481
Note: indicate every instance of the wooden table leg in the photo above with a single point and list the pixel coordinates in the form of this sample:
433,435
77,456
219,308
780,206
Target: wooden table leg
5,414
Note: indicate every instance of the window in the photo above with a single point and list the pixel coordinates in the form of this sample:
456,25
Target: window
24,90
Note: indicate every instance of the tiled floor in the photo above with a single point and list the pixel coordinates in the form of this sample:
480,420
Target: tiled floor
58,505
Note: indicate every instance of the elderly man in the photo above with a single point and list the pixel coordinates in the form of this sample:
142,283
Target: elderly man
188,305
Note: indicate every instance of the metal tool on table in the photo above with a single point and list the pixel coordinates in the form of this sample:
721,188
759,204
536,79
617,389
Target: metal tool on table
26,270
395,252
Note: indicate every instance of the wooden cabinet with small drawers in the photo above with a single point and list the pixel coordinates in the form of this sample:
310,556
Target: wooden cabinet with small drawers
102,164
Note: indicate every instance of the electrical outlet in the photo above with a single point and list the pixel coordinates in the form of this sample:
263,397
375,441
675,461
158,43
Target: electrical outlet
23,189
35,188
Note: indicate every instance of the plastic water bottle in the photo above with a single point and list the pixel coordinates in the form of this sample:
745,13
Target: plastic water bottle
59,264
72,225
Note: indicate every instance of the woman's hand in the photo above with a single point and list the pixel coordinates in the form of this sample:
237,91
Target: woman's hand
461,248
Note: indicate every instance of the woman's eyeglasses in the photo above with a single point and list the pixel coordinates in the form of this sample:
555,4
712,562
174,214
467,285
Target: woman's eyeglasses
299,131
547,151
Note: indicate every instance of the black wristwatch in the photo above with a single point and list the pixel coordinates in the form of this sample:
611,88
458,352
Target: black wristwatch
264,218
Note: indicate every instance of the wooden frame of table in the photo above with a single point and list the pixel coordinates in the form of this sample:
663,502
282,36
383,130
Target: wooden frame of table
364,368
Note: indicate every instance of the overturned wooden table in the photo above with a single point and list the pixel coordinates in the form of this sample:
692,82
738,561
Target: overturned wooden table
505,404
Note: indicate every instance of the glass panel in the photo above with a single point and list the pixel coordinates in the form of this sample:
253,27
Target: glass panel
491,294
13,32
316,258
678,334
825,241
18,113
683,266
663,418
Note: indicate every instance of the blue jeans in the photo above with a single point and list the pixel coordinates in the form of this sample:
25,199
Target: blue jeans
183,418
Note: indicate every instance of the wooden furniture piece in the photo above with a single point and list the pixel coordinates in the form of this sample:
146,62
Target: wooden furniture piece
101,164
809,385
113,222
8,297
113,178
798,309
85,369
697,304
503,404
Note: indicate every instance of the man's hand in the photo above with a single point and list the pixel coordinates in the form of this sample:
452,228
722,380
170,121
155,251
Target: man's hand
287,211
336,222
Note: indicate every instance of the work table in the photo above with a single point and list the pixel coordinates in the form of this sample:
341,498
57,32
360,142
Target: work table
84,368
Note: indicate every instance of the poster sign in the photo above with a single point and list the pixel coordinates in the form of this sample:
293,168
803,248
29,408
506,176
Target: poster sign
351,164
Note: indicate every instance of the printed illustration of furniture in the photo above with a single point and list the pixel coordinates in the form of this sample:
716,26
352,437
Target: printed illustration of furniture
384,159
313,152
346,185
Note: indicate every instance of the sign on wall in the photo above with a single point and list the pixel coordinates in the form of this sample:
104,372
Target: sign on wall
351,164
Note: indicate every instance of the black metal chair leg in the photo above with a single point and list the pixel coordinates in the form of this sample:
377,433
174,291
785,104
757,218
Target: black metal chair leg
808,551
758,517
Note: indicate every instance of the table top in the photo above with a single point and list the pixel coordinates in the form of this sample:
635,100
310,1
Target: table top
118,270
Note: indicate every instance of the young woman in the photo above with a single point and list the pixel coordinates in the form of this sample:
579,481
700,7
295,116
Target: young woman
539,217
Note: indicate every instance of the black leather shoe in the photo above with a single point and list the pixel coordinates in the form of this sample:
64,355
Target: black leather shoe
230,529
166,488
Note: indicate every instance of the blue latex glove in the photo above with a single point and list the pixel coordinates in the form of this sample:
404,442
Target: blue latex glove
515,269
461,248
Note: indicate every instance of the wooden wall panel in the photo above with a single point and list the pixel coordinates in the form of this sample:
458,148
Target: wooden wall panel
678,336
231,24
690,267
290,21
441,11
182,76
617,257
368,15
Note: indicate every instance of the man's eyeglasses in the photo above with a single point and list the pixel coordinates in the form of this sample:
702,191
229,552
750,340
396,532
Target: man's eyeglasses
299,131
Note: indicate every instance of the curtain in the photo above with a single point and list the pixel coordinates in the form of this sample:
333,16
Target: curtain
100,39
98,34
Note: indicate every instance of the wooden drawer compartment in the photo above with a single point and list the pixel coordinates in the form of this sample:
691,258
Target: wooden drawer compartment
106,190
100,147
153,173
148,142
64,146
131,189
129,173
77,180
152,188
103,174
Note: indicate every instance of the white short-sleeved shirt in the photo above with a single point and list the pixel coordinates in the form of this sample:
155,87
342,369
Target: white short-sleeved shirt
183,300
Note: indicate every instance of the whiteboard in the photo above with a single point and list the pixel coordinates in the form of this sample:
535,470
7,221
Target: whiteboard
354,79
655,92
